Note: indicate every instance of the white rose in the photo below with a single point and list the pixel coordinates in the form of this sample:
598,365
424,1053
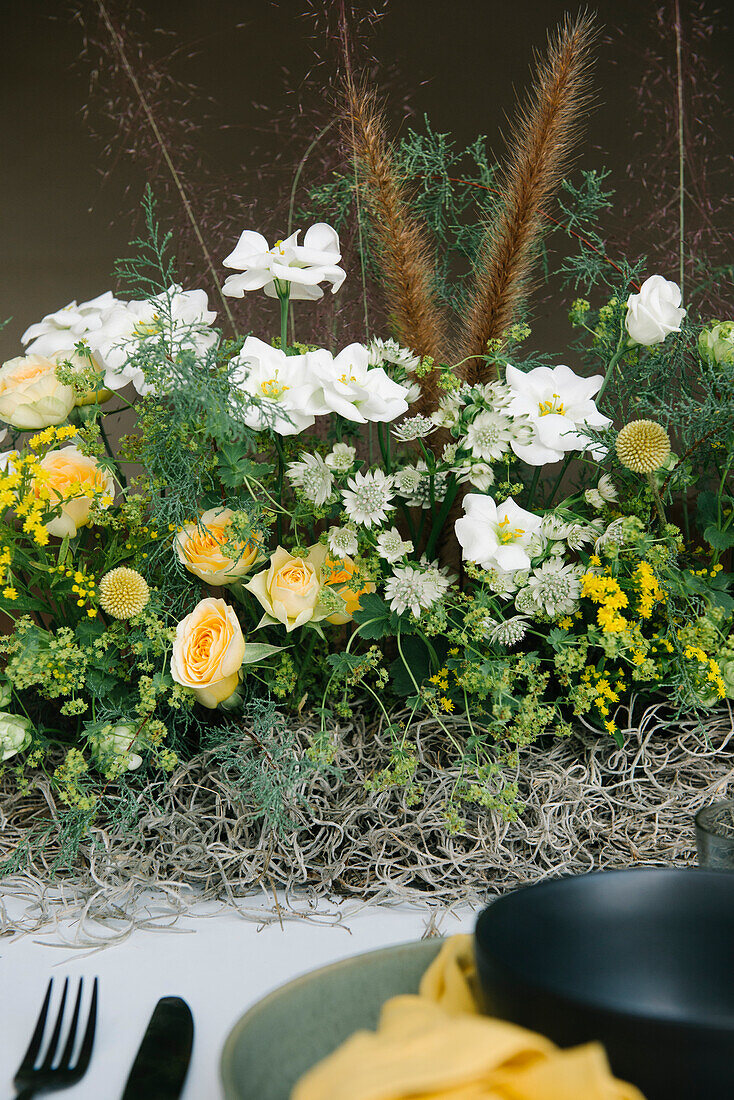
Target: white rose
15,734
655,311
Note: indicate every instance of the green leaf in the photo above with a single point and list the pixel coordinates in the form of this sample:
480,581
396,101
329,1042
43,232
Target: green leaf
344,662
374,618
258,651
706,508
404,675
234,467
718,538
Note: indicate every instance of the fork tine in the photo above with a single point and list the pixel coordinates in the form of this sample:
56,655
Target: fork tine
54,1040
66,1054
86,1051
34,1046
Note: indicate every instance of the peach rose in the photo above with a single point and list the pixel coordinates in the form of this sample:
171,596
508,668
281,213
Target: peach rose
337,574
72,480
31,395
290,589
208,652
199,549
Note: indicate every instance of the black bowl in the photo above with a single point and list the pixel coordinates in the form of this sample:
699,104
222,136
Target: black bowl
641,960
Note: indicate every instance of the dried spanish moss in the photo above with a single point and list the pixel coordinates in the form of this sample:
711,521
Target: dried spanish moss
586,805
541,143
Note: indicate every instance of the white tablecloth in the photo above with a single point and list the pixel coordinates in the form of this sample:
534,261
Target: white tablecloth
221,964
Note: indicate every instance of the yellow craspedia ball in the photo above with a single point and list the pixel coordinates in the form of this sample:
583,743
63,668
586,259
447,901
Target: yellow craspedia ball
643,446
123,593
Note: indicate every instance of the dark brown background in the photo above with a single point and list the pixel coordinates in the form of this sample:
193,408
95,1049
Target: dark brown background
62,225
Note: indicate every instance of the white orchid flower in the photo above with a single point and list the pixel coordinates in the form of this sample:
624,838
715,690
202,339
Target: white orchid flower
287,265
281,382
60,331
347,385
497,536
559,405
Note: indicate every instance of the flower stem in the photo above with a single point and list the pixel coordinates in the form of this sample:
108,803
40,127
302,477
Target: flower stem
283,298
657,500
681,146
621,346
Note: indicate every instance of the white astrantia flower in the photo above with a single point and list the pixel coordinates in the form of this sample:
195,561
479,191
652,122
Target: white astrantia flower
497,536
606,488
346,384
490,434
341,457
448,412
559,405
507,632
391,547
614,533
495,394
312,476
415,427
413,483
478,474
413,392
287,266
655,312
367,500
389,351
594,498
412,588
281,384
59,332
437,578
342,541
553,588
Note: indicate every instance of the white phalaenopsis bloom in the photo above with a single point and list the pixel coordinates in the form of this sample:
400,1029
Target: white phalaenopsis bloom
287,267
341,457
347,385
342,541
415,588
58,332
553,588
313,476
497,536
281,383
655,312
559,405
367,500
391,547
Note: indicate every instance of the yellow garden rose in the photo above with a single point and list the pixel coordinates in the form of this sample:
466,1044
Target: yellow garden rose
97,396
72,480
337,575
208,652
290,589
31,395
199,549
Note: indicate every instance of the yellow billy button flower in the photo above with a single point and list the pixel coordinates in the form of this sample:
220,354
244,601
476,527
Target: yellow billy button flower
123,593
643,446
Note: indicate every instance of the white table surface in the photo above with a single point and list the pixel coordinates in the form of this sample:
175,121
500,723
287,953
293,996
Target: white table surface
219,962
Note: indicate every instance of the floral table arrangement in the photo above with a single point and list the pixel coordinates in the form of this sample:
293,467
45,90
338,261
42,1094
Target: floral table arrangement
314,590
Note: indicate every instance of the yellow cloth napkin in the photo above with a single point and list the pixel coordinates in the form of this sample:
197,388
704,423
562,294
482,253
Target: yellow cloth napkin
437,1046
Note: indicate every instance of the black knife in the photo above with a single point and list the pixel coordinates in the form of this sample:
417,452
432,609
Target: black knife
162,1061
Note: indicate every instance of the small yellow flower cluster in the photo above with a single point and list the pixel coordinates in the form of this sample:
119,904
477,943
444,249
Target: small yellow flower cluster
605,693
23,487
711,667
650,591
52,435
441,680
605,591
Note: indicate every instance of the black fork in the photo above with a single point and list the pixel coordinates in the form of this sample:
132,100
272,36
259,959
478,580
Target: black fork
31,1079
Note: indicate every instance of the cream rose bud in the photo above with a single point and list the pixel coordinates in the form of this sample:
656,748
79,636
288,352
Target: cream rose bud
655,311
200,549
290,590
71,481
15,734
31,396
208,652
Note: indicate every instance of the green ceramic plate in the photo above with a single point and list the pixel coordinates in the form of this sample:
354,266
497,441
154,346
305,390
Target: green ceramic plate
299,1024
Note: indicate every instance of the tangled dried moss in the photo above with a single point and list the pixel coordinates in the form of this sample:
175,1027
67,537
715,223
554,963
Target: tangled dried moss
588,805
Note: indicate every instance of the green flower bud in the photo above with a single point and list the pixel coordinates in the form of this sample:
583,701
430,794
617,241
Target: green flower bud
727,675
716,344
111,742
15,734
6,693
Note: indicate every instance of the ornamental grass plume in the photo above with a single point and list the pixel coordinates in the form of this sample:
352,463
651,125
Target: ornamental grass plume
406,261
643,446
123,593
541,142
